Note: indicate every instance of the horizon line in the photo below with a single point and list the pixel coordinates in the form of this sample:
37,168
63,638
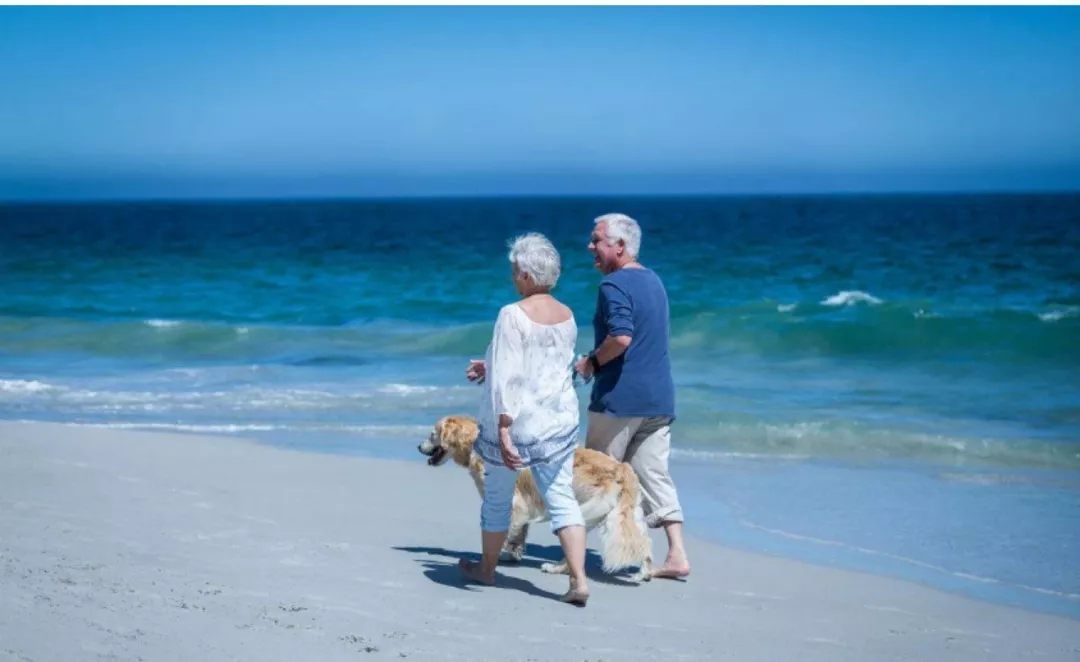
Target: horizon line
500,196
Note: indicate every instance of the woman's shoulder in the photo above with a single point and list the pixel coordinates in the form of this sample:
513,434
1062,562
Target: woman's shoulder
510,312
548,313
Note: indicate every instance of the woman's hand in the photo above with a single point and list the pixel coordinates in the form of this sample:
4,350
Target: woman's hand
477,371
509,452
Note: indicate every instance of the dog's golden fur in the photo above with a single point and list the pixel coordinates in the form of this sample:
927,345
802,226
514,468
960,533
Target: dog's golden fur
607,491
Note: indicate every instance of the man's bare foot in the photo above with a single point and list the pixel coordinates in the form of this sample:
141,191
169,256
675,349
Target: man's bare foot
576,596
673,569
472,572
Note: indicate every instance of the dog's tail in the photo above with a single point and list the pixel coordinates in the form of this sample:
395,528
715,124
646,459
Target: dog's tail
624,537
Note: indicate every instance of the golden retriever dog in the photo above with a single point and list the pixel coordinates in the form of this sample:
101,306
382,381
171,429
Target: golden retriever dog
607,491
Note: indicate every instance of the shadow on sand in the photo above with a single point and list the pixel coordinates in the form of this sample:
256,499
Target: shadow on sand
448,574
535,556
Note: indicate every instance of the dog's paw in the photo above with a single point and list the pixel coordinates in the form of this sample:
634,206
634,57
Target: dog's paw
555,568
512,554
641,576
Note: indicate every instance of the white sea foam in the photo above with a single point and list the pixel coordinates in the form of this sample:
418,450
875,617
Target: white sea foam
369,430
716,456
236,428
406,389
161,324
850,298
183,427
98,397
786,307
1057,315
23,386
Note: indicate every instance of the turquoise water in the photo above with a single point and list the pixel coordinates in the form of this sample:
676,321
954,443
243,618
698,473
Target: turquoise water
888,383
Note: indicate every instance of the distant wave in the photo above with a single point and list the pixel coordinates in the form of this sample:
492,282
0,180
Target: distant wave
406,389
850,298
1057,315
22,386
181,341
250,399
848,323
239,428
886,330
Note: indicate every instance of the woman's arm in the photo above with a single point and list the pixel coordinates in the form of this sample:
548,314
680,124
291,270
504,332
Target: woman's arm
507,375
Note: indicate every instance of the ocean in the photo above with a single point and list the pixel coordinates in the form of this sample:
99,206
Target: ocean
884,383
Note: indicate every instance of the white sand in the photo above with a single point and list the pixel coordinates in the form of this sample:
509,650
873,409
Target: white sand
148,546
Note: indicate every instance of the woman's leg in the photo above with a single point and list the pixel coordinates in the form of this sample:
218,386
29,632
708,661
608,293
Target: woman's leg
555,480
572,539
494,523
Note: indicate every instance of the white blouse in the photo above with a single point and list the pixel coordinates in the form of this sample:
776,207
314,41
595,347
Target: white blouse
529,378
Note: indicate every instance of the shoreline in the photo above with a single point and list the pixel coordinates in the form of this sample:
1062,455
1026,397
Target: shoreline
717,520
180,546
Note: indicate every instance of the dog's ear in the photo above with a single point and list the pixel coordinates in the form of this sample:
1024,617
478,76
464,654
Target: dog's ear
458,436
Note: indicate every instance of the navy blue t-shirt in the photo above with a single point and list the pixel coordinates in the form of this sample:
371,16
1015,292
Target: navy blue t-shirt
633,302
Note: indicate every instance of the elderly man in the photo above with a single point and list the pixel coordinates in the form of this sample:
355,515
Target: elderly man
633,398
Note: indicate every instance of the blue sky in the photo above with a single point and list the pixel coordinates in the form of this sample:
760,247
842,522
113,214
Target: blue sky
249,101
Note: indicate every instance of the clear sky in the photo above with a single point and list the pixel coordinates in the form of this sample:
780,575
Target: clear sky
264,101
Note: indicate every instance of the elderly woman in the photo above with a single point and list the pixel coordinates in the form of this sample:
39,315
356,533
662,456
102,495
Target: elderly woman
529,412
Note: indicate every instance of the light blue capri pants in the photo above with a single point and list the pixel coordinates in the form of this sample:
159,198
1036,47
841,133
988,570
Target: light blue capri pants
555,480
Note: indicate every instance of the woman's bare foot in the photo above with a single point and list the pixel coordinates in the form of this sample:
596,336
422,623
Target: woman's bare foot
576,596
472,572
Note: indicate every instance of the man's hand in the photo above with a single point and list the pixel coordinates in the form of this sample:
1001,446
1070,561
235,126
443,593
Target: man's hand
584,368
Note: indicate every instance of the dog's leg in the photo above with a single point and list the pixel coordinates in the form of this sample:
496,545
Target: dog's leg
561,568
515,541
644,574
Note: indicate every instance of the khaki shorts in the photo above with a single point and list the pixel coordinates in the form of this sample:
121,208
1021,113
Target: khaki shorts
646,444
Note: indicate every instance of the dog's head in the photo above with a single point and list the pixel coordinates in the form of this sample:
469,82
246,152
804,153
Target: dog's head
451,437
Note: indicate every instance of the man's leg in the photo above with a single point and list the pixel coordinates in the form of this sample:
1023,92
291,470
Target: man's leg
648,453
610,435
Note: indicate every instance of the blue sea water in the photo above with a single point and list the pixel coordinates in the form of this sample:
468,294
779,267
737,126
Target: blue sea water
884,383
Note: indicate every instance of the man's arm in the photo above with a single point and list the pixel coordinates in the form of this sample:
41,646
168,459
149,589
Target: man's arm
618,315
611,349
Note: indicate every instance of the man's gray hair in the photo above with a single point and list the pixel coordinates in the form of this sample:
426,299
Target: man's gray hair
622,227
536,256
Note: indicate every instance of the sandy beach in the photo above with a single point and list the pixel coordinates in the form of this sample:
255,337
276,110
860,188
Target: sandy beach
149,546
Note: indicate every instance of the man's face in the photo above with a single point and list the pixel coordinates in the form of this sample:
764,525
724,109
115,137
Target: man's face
605,256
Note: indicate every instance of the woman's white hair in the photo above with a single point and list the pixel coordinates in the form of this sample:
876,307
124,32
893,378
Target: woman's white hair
621,227
535,255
